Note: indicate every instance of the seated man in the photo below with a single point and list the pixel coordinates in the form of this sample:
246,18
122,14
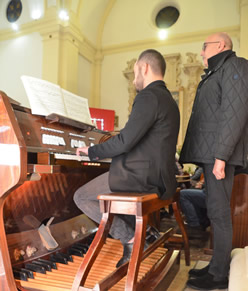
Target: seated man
193,205
197,177
143,153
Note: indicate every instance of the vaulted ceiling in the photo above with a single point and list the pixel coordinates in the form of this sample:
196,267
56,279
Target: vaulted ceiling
106,23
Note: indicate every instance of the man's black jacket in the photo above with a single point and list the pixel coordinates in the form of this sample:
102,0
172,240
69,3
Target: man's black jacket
218,126
143,154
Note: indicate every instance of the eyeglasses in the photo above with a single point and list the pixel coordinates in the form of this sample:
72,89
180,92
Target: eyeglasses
204,46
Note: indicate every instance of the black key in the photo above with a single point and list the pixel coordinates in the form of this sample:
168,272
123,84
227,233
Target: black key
83,249
90,240
75,252
46,266
58,259
81,246
67,256
52,264
29,273
35,268
20,275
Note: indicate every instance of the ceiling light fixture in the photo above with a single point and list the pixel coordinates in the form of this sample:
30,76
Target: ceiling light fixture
163,34
63,15
36,14
15,26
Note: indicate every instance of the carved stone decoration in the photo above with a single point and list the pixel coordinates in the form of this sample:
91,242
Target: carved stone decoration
193,68
129,74
191,58
173,71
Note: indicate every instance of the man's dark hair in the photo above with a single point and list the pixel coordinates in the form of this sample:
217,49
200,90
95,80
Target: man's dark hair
155,60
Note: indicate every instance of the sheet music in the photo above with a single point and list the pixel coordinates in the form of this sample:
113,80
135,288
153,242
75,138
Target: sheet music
77,107
44,97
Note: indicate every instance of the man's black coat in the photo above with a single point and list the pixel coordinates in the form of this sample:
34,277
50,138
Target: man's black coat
143,153
218,126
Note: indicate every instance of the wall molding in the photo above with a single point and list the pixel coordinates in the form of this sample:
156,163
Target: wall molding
175,39
88,49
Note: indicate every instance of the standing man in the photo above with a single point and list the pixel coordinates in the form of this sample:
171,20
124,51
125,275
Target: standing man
217,139
143,153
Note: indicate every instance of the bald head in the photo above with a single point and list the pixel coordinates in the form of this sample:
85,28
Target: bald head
226,38
215,44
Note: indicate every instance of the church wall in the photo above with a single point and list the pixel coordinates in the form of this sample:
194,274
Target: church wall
91,17
84,77
20,56
114,86
132,20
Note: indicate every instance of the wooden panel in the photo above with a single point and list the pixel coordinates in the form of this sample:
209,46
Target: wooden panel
13,161
13,165
62,233
239,205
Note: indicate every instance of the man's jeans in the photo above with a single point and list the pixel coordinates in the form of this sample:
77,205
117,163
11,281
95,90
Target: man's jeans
193,204
85,197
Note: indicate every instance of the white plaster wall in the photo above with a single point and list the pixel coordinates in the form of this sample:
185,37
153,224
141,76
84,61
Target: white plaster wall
91,15
114,86
84,77
131,20
20,56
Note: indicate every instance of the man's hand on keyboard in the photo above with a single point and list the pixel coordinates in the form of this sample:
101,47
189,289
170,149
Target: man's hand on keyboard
83,150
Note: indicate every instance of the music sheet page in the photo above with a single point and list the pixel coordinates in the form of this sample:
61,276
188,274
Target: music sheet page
44,97
77,107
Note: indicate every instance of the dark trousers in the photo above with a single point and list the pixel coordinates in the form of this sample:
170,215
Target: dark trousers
219,212
193,204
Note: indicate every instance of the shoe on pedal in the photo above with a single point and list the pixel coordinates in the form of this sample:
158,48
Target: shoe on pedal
127,251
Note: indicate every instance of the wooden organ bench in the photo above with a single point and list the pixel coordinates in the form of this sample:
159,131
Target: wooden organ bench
141,205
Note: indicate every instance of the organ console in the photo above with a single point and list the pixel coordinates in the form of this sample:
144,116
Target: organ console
43,236
39,174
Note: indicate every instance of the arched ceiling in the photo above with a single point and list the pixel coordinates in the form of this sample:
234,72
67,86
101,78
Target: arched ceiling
90,14
110,22
132,20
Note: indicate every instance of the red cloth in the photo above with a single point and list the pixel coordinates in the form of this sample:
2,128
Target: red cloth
104,119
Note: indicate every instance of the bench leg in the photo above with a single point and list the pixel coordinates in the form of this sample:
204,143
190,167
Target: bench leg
138,248
93,251
183,230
